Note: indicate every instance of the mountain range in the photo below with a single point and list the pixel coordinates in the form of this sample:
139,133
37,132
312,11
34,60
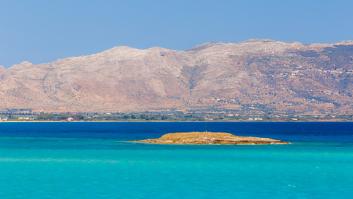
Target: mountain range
263,76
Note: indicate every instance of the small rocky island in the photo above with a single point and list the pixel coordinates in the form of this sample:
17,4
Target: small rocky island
218,138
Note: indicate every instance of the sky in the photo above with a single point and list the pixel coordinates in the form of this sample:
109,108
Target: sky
40,31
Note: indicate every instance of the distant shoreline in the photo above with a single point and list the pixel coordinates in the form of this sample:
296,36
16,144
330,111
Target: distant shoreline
27,115
165,121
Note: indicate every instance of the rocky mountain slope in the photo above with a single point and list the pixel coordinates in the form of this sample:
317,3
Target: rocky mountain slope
256,75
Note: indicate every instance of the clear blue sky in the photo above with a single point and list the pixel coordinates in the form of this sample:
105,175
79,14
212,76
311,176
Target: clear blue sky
45,30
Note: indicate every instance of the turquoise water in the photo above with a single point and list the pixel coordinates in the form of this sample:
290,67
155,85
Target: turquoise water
92,160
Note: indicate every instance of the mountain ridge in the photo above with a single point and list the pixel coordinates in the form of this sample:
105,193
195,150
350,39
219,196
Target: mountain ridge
343,42
257,76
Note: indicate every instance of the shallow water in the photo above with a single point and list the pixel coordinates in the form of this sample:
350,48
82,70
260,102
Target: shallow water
92,160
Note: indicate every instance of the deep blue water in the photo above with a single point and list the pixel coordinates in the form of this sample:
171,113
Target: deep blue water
92,160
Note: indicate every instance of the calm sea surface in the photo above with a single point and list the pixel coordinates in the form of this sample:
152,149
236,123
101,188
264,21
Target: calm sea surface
92,160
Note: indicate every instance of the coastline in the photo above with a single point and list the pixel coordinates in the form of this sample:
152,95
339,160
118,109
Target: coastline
181,121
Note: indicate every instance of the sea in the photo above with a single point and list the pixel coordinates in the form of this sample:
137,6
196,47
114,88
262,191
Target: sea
94,160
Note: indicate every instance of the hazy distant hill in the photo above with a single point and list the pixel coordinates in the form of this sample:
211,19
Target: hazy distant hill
261,75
